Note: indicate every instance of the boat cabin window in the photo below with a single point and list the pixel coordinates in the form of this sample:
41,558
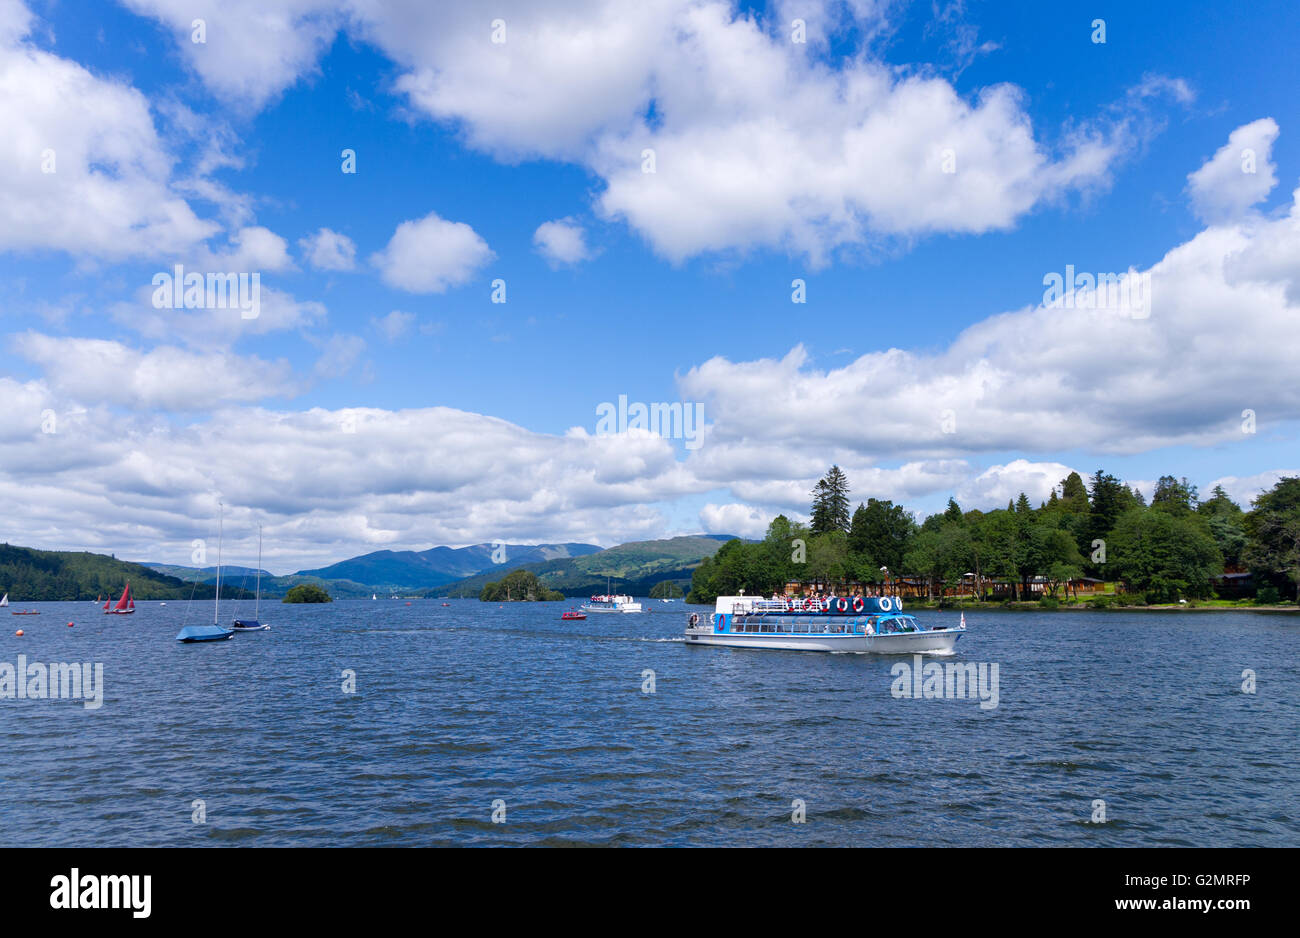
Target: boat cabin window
893,624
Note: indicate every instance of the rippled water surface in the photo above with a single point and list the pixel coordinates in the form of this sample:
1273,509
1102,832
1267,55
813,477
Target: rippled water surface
458,706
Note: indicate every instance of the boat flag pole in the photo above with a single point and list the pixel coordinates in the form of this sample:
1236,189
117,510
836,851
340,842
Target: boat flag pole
216,610
257,603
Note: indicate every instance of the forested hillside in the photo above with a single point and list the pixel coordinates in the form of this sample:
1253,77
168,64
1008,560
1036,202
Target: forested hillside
55,575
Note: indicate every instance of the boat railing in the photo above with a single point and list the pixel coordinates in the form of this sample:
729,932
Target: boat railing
760,606
798,606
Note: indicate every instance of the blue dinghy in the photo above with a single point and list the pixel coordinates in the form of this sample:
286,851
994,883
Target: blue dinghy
203,633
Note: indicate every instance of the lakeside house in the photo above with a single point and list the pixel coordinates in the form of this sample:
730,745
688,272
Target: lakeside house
1234,583
1041,586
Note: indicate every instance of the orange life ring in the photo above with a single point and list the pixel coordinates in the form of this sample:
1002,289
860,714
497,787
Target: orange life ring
858,604
843,604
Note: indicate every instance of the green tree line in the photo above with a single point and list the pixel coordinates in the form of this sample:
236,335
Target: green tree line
1167,550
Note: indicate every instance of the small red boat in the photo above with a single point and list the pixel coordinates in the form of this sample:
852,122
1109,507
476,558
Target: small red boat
573,614
29,612
125,606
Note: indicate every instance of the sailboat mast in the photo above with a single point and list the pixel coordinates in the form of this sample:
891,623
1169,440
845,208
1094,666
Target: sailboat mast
216,610
257,603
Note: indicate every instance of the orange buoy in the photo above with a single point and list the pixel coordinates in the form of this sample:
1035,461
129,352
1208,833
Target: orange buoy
69,625
19,632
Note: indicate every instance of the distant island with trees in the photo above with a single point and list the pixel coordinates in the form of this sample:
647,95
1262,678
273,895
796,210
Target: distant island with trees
307,593
1100,541
519,586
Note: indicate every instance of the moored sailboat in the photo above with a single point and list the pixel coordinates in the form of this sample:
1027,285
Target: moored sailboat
213,632
5,600
253,625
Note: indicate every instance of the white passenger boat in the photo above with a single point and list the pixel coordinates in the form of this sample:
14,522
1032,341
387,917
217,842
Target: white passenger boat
846,624
614,603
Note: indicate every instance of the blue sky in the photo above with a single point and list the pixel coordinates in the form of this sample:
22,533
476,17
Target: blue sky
776,160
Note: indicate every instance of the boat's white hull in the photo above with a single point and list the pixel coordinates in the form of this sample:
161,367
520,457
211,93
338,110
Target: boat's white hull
631,607
903,643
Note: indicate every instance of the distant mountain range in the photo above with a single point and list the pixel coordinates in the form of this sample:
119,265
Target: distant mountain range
574,569
630,568
409,569
206,574
385,572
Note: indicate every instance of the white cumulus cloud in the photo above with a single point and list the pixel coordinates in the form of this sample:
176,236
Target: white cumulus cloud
1222,305
998,485
329,250
99,371
741,520
753,141
431,255
562,242
393,326
1239,175
82,167
252,49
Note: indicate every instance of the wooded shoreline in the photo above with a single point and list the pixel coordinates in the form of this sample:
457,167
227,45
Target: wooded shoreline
984,608
1095,545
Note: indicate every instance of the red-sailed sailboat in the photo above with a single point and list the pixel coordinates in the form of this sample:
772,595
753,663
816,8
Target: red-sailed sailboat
125,606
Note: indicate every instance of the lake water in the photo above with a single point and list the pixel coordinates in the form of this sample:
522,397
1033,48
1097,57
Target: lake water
456,707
